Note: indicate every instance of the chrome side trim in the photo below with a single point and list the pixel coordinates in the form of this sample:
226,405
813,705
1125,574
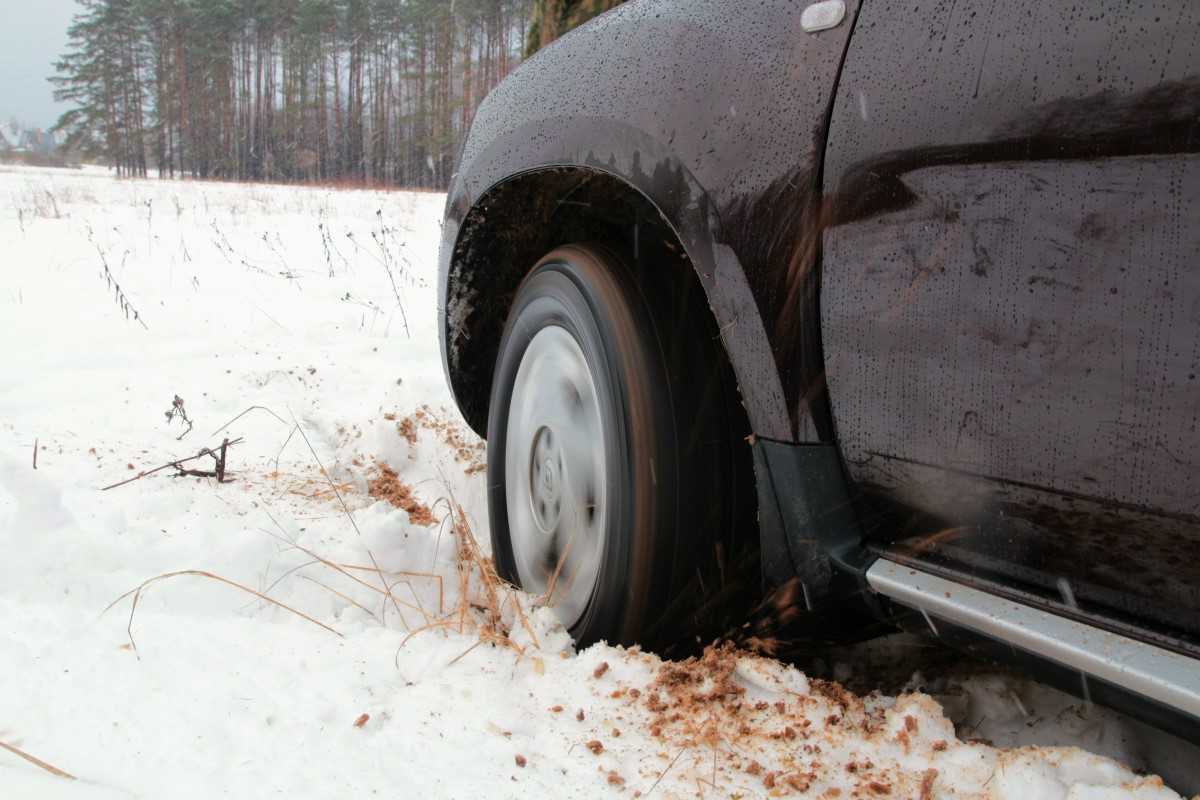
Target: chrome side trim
1170,678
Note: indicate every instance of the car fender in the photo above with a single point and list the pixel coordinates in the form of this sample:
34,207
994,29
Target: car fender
716,117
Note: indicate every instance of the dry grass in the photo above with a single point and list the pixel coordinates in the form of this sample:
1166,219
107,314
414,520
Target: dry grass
482,596
481,612
350,517
436,578
37,762
343,596
484,605
45,201
137,595
385,591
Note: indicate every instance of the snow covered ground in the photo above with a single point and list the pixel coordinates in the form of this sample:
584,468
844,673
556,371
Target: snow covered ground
315,309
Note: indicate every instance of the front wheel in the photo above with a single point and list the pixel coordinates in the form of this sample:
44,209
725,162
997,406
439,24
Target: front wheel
592,502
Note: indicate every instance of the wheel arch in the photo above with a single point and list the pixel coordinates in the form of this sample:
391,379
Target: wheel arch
519,219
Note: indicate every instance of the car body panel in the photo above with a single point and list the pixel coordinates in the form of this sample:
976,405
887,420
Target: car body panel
977,218
1011,297
717,117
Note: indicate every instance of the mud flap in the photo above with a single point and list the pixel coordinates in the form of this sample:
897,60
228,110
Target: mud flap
807,524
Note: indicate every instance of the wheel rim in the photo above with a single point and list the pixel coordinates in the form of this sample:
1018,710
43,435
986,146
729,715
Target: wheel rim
554,470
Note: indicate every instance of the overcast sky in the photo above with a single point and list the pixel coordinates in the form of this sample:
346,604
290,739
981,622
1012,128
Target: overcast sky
33,33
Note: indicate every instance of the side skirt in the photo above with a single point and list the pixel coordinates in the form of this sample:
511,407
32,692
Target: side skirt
1151,682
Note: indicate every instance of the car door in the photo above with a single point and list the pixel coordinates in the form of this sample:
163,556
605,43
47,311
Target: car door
1010,298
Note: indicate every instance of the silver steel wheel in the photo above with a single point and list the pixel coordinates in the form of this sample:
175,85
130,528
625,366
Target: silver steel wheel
555,474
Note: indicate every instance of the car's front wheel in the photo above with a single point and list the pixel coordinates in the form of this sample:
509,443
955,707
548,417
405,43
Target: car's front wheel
592,499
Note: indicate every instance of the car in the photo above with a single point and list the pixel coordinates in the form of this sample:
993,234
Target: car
890,309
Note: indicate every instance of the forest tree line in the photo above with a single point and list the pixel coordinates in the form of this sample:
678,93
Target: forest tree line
365,91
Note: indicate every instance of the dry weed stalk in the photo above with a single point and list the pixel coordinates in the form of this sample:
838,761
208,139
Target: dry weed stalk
320,493
247,411
469,553
386,263
345,597
45,203
150,225
471,562
111,281
387,590
177,410
337,568
482,611
430,575
137,595
37,762
327,243
663,774
286,271
222,242
219,456
325,246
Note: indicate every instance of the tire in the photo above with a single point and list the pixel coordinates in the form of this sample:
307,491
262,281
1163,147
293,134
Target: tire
605,496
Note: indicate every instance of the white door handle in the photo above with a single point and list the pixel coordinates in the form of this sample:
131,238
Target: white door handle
823,15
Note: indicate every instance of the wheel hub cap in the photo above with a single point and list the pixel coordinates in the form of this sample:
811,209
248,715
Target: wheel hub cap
554,474
546,480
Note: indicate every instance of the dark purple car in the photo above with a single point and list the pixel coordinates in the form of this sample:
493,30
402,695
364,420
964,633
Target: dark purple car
891,309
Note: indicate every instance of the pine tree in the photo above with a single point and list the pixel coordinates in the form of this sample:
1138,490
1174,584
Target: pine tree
553,18
373,91
102,76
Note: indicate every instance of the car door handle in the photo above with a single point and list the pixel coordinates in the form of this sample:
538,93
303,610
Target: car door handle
823,15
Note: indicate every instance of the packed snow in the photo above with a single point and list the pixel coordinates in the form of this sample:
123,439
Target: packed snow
329,624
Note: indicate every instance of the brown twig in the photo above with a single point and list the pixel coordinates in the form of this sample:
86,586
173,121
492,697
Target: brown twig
37,762
35,449
178,465
195,473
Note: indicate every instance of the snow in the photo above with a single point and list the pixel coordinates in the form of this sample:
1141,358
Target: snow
279,299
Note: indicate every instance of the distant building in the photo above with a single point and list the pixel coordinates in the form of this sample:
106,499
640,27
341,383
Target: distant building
29,145
38,141
10,137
